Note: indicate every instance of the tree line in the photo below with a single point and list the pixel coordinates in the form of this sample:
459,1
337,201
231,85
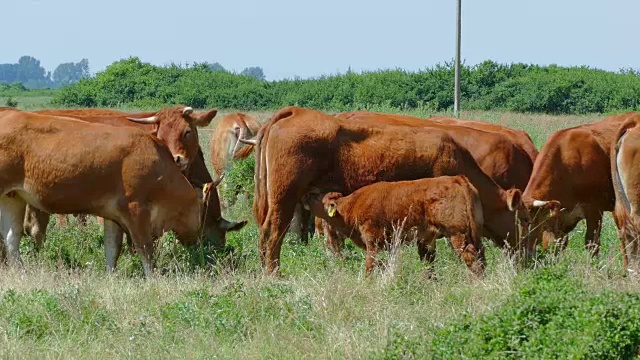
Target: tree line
29,72
485,86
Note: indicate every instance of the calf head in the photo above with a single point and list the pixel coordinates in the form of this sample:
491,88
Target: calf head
545,225
177,128
330,203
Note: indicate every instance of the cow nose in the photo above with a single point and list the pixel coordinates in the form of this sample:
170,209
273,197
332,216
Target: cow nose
181,161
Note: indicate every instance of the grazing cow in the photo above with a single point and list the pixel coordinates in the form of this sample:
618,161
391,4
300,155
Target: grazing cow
625,159
129,178
300,149
573,173
500,157
170,119
225,147
423,209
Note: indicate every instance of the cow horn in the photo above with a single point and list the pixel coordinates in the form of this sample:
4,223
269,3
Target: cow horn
251,141
539,203
187,110
148,120
217,182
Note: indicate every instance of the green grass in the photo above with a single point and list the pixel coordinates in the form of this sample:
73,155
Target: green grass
63,304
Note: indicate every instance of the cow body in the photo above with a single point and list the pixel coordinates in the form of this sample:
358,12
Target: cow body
422,209
300,150
170,126
571,181
498,155
625,159
130,178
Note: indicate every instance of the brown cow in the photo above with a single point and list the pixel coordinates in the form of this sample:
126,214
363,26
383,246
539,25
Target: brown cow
572,172
443,206
130,178
197,172
625,158
300,149
225,147
497,155
224,144
520,138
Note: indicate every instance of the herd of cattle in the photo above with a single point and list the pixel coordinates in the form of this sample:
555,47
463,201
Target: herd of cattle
362,175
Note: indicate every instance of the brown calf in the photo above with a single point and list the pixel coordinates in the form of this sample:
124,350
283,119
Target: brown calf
423,209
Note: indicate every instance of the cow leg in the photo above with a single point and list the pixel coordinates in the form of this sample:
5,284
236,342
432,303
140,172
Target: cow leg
35,223
112,243
82,218
12,210
594,228
275,227
300,224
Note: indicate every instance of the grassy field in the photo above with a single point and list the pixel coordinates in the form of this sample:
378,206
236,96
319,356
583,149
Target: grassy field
64,305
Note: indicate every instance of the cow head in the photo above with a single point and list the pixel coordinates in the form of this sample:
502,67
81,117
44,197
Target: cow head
177,128
544,226
214,226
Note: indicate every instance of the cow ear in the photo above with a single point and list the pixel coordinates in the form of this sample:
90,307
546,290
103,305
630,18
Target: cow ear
514,199
154,131
554,206
232,226
203,119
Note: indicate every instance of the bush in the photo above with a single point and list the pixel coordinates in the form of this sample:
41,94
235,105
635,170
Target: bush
552,315
488,85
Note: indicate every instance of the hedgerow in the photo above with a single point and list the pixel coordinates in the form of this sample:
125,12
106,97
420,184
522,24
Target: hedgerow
488,85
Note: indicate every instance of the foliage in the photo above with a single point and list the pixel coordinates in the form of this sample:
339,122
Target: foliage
488,85
68,73
29,72
11,102
254,71
239,179
551,315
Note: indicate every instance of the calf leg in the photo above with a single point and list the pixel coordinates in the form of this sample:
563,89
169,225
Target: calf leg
12,210
113,235
427,250
61,220
335,240
370,257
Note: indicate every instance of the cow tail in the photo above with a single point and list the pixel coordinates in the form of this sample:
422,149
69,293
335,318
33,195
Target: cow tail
260,202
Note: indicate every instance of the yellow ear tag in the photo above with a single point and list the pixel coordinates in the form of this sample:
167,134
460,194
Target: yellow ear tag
205,188
332,211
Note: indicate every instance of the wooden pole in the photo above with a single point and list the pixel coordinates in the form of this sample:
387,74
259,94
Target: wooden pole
456,85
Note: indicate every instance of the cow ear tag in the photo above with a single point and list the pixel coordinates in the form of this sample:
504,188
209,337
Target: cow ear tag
332,210
205,188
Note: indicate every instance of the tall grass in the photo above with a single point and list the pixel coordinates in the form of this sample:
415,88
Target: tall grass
62,304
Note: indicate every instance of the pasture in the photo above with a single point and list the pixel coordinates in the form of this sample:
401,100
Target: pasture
220,305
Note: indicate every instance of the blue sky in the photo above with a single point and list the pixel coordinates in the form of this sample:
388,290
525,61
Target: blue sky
288,38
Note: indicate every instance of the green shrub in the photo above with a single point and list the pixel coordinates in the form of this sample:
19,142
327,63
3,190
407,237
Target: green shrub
551,315
488,85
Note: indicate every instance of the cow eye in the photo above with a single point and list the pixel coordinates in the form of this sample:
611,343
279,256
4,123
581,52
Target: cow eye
187,133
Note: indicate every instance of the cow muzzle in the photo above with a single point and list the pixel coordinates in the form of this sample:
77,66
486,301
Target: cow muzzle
181,161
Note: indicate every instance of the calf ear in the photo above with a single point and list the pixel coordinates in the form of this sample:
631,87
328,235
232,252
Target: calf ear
203,119
514,199
331,209
232,226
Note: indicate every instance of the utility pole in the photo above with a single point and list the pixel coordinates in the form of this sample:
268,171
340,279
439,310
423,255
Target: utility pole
456,84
